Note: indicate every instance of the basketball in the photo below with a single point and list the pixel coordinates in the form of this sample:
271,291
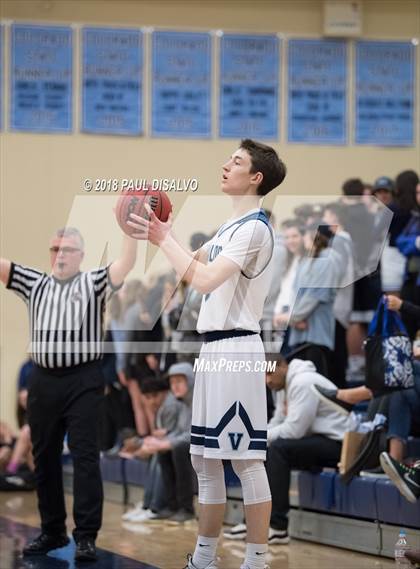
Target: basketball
134,202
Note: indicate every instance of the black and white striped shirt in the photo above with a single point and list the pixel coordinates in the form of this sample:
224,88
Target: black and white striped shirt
65,316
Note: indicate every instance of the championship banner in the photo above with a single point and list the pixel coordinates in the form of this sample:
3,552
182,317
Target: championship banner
112,81
249,86
41,78
317,91
385,93
181,84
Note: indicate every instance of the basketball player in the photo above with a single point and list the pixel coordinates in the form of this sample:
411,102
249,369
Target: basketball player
66,387
233,272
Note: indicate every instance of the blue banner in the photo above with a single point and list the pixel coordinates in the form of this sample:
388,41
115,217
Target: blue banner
181,84
317,91
1,75
249,86
41,78
385,93
112,81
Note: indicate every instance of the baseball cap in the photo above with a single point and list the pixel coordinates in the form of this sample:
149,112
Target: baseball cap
383,183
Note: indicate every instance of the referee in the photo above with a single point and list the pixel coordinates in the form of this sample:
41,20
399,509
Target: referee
66,387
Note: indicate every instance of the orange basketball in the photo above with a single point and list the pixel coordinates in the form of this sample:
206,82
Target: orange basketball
133,202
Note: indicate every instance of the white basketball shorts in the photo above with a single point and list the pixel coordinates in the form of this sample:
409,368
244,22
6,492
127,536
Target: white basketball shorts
229,417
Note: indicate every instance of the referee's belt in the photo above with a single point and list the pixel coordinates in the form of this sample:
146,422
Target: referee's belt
215,335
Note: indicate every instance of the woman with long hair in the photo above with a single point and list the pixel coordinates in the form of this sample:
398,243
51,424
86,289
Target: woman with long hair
292,233
311,318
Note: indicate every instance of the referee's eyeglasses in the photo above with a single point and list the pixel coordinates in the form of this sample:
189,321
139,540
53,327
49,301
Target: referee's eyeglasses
64,250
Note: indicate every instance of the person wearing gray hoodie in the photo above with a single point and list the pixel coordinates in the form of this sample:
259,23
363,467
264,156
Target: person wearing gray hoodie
174,453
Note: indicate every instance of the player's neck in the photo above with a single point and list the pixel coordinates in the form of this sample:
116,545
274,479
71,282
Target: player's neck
243,204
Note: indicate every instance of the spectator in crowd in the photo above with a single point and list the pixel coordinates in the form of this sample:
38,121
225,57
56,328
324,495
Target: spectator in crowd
118,415
169,442
311,319
383,190
139,333
22,398
342,244
360,224
404,204
7,441
165,407
18,461
392,262
405,477
174,448
307,435
292,233
404,405
408,242
19,472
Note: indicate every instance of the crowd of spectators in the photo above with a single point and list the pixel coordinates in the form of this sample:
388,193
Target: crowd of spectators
332,263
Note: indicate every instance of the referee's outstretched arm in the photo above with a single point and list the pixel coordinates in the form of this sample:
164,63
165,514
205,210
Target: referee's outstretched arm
5,265
120,268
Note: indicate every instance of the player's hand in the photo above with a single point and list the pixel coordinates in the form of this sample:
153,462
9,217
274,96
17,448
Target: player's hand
152,229
302,325
393,302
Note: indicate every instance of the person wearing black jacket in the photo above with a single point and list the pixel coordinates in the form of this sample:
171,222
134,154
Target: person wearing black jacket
405,308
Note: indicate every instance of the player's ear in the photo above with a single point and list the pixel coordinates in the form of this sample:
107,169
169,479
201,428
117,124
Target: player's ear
257,178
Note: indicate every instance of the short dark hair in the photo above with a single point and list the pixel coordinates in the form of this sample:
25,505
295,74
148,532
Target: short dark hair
264,159
152,384
275,357
353,187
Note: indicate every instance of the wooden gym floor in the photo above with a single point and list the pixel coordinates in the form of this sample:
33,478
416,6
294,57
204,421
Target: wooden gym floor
153,545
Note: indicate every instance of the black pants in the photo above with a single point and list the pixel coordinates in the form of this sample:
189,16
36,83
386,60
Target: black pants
178,477
285,454
340,356
60,402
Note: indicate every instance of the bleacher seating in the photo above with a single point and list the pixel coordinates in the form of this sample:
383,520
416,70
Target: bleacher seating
366,513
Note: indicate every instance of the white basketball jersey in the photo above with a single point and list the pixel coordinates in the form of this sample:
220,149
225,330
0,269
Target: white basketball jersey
238,302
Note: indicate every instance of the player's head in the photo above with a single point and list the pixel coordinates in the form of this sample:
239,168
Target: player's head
253,169
276,379
66,251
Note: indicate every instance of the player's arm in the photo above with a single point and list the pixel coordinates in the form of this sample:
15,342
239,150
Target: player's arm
204,278
199,254
120,268
5,266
